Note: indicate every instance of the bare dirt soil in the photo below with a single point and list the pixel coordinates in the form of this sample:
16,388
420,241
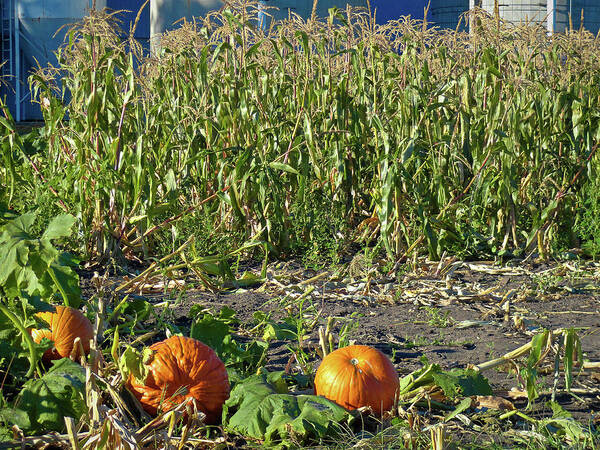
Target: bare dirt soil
454,313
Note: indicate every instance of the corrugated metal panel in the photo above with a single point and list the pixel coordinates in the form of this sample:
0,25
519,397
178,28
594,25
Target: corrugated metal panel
517,11
284,8
553,14
128,17
558,15
7,24
549,13
591,14
40,21
324,5
56,9
36,40
446,13
389,10
304,8
164,13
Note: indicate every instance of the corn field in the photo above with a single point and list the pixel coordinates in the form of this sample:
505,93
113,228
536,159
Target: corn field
403,137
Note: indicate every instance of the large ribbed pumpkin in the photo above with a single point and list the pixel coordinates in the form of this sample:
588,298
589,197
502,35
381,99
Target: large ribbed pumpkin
66,324
180,362
357,376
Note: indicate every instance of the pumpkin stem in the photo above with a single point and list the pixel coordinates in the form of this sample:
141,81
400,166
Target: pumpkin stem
354,361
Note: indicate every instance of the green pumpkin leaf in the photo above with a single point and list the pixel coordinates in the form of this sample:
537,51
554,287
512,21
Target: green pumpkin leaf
138,307
261,407
47,401
31,264
562,423
132,362
211,331
240,358
281,331
462,383
65,279
59,227
13,416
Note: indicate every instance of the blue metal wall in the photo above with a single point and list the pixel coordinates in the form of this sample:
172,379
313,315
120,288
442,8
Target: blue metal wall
165,13
385,10
591,14
303,8
446,13
34,40
142,31
393,9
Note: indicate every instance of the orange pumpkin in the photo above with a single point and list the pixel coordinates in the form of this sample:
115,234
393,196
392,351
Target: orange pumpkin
179,368
358,376
66,324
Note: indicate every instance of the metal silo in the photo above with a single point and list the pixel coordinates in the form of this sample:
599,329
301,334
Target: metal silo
523,10
29,37
552,14
446,13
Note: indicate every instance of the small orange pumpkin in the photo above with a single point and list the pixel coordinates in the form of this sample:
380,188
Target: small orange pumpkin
66,324
181,362
357,376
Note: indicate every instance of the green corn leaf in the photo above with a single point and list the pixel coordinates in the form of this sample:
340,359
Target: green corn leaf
285,167
572,354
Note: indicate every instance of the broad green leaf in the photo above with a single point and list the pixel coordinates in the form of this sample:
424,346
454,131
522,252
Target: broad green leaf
215,331
132,361
59,227
462,382
14,416
32,265
20,226
211,331
66,279
260,407
558,412
573,431
14,353
138,307
281,331
58,394
563,423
